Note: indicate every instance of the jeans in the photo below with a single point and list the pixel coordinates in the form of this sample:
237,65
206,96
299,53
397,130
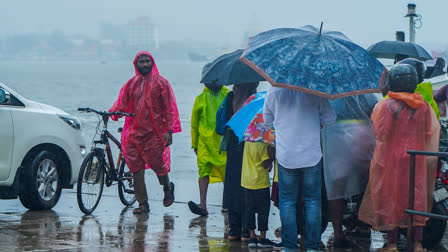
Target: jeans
293,184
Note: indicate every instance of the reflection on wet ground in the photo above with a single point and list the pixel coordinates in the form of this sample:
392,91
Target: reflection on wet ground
114,228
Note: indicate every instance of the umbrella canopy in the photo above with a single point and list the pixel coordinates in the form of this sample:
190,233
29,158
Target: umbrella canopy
248,124
227,69
323,63
390,49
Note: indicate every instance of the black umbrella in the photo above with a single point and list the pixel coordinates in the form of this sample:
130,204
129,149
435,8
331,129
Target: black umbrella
390,49
227,69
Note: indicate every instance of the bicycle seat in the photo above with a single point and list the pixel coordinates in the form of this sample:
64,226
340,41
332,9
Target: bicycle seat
120,130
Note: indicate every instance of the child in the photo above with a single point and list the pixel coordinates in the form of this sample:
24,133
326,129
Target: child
205,142
402,122
257,162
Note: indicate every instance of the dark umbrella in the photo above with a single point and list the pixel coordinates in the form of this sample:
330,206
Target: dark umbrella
390,49
227,69
318,62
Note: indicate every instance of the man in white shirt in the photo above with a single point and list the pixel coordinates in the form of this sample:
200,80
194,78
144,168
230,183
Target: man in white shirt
297,118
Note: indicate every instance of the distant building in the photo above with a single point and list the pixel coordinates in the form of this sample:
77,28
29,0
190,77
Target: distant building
142,34
110,31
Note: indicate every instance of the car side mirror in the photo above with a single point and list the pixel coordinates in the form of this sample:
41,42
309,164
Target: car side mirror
2,96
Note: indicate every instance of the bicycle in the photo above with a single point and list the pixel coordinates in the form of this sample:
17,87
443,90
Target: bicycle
98,167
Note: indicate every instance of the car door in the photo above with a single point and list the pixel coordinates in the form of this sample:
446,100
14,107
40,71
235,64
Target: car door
6,139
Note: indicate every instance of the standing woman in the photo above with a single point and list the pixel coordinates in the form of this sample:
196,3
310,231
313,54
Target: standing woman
232,198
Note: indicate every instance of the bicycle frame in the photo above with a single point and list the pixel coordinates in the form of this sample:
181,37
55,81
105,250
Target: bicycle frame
104,139
119,173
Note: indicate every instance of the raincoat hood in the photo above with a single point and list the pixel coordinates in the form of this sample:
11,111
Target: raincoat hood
154,70
413,100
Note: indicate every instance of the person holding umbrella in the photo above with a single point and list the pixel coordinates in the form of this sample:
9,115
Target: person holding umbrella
233,191
205,142
297,117
321,65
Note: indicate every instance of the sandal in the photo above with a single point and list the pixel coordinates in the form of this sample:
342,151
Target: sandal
141,209
194,208
385,248
234,238
168,200
420,250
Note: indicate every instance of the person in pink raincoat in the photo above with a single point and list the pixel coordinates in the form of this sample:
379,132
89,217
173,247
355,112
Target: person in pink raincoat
146,137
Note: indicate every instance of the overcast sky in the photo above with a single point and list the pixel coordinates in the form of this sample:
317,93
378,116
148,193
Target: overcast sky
225,21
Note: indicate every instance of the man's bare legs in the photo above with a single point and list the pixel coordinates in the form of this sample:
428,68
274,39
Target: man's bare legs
140,192
164,180
168,190
336,209
203,187
201,209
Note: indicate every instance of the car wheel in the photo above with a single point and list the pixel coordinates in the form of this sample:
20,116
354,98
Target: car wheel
40,183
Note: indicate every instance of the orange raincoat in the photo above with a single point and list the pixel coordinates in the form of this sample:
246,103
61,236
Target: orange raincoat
400,123
152,100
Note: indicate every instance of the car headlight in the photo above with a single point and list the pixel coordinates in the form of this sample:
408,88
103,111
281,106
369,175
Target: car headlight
73,122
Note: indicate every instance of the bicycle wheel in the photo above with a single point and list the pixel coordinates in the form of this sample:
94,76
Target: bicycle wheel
90,183
125,185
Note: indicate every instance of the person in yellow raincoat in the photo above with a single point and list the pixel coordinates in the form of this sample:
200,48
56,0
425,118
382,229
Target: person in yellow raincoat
205,142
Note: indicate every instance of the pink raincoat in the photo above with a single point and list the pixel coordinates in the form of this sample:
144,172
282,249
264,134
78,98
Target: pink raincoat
402,122
152,100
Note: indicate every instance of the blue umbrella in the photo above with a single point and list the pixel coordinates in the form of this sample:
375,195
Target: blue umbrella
248,124
307,59
228,69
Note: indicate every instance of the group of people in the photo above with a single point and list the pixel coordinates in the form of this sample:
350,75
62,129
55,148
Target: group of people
352,145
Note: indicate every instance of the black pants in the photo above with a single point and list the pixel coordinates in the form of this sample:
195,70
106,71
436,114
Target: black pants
233,192
257,201
237,223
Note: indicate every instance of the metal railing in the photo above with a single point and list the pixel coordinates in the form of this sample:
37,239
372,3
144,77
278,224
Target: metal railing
411,212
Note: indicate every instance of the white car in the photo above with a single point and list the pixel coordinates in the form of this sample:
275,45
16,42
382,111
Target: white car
41,150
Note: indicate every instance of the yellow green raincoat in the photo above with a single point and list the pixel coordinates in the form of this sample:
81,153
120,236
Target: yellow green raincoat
425,89
204,137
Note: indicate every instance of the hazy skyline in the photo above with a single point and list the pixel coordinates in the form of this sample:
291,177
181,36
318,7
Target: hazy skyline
225,22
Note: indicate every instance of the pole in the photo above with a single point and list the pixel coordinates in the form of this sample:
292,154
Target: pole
410,240
411,15
411,30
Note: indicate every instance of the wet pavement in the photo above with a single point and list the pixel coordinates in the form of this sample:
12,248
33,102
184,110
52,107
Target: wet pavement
114,228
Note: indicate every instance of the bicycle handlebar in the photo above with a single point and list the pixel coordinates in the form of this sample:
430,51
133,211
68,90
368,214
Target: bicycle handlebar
104,113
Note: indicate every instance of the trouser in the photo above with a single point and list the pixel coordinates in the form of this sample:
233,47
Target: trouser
140,187
237,222
292,184
392,235
257,201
